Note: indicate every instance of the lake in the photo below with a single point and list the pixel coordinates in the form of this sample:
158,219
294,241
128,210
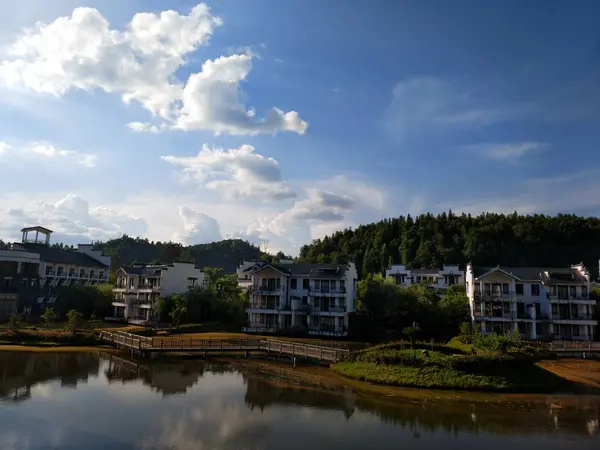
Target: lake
100,401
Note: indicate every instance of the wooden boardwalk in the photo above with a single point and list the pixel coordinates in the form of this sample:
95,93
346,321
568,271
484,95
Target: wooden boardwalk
146,345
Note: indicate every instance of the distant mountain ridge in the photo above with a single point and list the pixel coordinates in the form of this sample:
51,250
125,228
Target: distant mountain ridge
226,254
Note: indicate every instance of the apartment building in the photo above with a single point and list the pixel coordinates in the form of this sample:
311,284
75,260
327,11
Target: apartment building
316,297
537,302
137,288
32,271
244,275
441,279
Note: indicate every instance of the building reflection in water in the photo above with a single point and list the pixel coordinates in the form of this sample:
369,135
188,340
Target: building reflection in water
266,391
19,372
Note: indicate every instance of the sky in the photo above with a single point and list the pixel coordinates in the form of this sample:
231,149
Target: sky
281,122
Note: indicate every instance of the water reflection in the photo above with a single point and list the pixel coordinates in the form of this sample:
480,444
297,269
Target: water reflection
190,405
18,372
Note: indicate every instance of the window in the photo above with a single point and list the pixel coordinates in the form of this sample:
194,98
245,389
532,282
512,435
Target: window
487,288
333,285
488,327
572,291
505,288
563,293
477,288
535,289
305,283
575,330
305,300
342,285
519,288
294,283
538,309
584,291
418,279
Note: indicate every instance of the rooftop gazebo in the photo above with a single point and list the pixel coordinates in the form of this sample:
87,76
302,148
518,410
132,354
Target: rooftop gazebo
43,239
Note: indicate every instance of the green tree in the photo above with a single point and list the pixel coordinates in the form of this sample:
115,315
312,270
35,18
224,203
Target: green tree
179,309
15,323
74,320
48,316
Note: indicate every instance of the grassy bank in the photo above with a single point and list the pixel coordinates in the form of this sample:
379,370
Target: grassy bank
48,338
449,368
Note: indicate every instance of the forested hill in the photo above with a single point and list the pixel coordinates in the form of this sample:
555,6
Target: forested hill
488,239
225,254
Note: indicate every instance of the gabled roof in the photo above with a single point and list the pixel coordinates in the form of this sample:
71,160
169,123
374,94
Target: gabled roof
60,256
145,271
312,270
560,275
486,271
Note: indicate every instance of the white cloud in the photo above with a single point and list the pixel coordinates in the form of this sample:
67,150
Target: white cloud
198,228
44,150
140,63
83,52
321,205
512,152
234,173
142,127
72,219
211,101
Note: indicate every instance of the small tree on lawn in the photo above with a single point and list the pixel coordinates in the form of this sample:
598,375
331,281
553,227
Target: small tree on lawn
73,320
48,317
411,332
179,310
15,323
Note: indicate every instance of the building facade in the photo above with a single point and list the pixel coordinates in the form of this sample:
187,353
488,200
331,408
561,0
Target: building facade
536,302
448,275
32,271
315,297
138,287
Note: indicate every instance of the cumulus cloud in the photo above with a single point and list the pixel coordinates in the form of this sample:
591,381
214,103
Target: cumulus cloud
140,63
235,173
211,101
198,228
44,150
72,219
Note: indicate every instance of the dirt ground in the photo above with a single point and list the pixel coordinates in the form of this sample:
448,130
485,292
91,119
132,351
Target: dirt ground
577,370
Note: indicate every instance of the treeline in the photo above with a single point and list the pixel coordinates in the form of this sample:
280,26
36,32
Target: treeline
489,239
226,254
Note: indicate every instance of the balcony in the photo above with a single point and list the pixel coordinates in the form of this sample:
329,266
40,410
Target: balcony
572,317
263,306
329,309
149,287
266,290
492,295
325,291
568,298
327,331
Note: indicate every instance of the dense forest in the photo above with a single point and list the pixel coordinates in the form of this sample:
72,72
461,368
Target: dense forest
225,254
488,239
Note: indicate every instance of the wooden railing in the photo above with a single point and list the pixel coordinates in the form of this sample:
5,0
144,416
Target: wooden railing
572,346
295,349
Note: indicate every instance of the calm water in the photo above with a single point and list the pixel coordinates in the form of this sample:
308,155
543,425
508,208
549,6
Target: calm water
89,401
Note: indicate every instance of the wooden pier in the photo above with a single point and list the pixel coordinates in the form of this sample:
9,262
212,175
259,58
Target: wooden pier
146,346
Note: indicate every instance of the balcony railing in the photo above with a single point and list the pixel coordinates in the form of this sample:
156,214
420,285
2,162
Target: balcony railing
148,286
573,317
340,290
263,306
333,309
495,294
273,289
565,298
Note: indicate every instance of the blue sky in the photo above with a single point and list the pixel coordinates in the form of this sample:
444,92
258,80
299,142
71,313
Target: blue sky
280,122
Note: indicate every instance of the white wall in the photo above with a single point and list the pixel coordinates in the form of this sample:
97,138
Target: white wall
174,279
96,254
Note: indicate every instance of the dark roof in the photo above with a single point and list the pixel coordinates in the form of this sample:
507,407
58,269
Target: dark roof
36,228
146,271
535,273
312,270
424,271
60,256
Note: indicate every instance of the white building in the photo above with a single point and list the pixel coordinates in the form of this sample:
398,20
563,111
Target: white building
315,297
244,274
32,268
443,278
138,286
537,302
